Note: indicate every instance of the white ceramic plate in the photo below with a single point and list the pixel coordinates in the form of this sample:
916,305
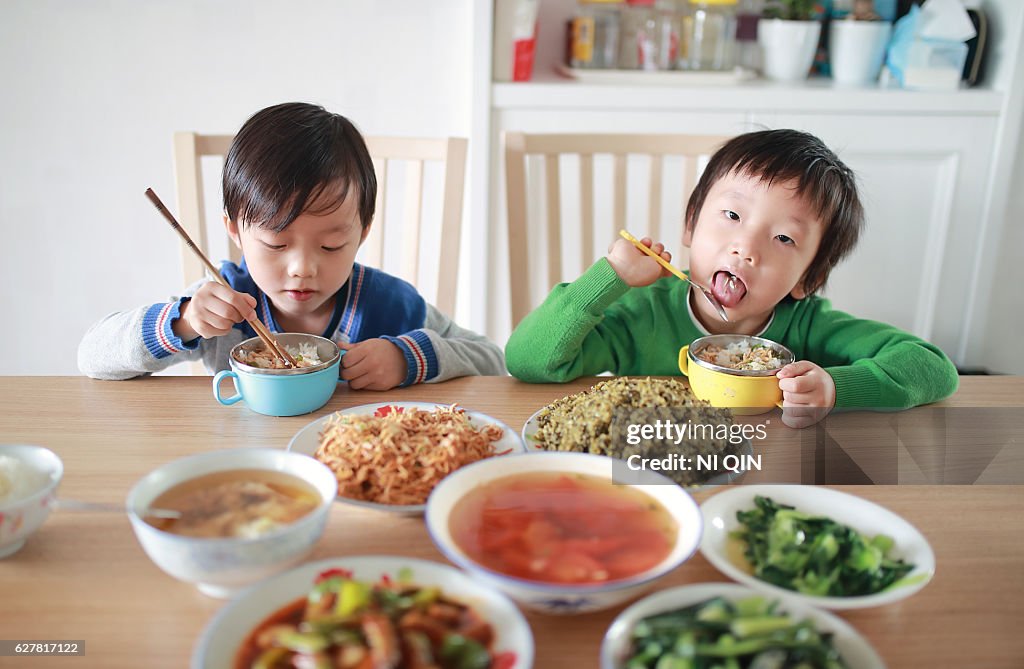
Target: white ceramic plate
866,517
219,642
856,651
307,440
531,427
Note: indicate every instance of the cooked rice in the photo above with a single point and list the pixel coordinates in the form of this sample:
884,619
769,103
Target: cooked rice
741,355
19,480
305,355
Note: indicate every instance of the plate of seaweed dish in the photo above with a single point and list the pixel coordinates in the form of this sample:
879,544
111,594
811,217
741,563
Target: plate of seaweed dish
604,418
817,545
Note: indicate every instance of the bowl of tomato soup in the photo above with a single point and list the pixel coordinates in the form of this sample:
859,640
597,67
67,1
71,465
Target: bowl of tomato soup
558,534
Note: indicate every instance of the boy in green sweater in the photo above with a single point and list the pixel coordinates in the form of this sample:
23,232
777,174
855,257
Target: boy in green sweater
773,213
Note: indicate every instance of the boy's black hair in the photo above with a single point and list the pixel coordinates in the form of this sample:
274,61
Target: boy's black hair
291,157
828,185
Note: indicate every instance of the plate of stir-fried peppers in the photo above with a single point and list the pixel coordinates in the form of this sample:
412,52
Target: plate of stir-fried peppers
367,611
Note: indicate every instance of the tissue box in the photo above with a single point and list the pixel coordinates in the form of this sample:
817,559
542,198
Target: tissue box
934,64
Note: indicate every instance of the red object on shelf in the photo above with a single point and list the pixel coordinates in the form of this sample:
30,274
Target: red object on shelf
515,39
522,61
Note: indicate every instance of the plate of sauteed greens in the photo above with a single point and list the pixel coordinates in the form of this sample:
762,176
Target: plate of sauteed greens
711,625
816,545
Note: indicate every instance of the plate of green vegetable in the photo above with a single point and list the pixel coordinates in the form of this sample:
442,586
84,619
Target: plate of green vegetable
816,545
730,625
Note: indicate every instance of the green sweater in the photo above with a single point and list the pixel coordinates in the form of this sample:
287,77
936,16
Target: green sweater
597,324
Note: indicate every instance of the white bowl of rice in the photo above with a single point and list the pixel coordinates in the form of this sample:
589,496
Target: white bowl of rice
29,476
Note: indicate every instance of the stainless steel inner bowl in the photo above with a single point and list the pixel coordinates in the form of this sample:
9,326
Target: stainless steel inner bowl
326,349
723,340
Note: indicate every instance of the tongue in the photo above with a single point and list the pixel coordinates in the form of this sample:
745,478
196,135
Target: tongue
727,289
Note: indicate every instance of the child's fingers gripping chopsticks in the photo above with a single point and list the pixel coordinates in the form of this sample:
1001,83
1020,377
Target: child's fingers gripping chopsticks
659,249
215,309
663,257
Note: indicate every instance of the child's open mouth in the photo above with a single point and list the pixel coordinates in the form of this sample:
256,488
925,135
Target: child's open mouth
728,288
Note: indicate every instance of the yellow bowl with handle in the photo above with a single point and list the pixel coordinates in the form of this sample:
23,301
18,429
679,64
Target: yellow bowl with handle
747,392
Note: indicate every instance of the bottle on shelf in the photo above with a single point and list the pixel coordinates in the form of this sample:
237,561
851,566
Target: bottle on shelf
709,36
650,35
595,34
748,51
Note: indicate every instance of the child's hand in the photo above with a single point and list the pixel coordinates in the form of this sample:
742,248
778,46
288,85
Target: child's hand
212,311
374,364
808,393
635,267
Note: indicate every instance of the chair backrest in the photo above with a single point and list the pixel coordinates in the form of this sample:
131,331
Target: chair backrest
413,154
545,175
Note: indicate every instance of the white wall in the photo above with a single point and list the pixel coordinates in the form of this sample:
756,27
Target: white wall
93,90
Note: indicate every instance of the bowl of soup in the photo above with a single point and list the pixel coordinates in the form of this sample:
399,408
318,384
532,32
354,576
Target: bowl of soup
557,533
735,372
29,476
236,516
268,387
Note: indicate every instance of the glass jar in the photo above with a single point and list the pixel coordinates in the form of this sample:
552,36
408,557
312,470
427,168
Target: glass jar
748,51
650,35
595,34
709,36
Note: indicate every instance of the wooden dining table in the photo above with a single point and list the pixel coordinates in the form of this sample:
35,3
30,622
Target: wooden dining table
83,576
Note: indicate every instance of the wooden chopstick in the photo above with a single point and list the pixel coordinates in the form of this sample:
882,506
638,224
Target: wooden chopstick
258,326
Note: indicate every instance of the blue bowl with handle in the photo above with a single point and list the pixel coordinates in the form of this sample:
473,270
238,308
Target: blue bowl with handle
282,392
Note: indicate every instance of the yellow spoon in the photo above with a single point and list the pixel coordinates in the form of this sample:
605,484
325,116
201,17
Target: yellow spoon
661,261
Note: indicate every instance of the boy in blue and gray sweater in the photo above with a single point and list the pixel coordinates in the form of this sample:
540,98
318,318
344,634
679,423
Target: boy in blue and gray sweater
299,193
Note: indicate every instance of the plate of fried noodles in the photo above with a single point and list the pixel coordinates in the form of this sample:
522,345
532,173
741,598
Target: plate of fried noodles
390,455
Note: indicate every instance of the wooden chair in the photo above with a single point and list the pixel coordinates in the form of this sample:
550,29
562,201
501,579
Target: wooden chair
548,153
412,154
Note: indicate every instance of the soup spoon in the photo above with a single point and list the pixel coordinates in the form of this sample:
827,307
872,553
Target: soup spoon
78,505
